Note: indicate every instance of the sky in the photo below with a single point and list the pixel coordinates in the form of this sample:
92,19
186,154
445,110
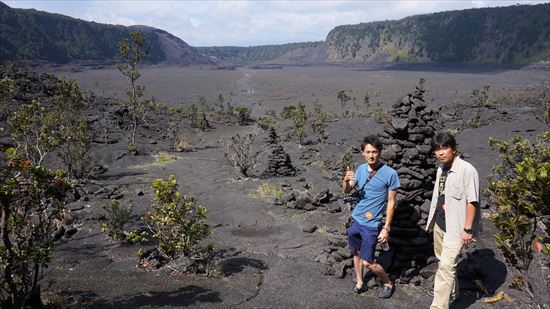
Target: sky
248,23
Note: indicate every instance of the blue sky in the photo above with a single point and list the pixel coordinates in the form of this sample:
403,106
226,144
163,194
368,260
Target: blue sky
248,23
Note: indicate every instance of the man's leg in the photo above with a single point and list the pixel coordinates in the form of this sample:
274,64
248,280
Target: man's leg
438,241
358,270
368,247
438,246
445,276
355,240
379,272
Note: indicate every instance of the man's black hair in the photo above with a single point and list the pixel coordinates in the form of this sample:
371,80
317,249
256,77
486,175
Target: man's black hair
374,141
443,139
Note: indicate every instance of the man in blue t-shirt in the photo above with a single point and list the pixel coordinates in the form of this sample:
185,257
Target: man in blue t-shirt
377,184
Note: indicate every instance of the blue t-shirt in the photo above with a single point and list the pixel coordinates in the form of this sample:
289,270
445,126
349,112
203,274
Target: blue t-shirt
372,202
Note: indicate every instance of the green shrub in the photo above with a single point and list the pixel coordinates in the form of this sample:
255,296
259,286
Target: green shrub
264,123
380,115
242,112
519,188
31,201
299,121
366,103
176,221
117,217
288,111
75,138
267,190
35,131
319,123
137,237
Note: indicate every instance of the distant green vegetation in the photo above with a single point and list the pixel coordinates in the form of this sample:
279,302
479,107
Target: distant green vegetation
514,34
28,34
250,54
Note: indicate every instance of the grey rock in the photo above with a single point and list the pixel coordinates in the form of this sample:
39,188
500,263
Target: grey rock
309,229
399,124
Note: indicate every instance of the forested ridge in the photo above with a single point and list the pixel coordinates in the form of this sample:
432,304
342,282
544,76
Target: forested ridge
514,34
28,34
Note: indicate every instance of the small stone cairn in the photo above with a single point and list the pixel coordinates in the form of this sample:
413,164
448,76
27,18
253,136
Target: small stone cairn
407,148
278,161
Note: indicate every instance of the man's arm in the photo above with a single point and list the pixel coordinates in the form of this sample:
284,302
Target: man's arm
390,208
471,187
470,214
349,181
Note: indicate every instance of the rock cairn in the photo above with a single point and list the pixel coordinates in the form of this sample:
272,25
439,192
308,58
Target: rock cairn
407,138
278,161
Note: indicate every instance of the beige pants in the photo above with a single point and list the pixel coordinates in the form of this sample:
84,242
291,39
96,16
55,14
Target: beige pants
445,283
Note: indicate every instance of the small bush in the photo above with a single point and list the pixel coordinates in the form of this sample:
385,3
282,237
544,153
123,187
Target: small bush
176,221
239,153
32,199
117,217
35,131
242,112
267,190
299,121
519,188
380,115
164,157
75,137
288,111
137,237
264,123
182,144
132,148
319,123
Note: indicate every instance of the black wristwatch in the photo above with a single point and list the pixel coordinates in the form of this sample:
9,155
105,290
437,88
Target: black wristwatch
468,231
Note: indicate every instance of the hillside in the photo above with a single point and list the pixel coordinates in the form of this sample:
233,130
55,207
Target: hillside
28,34
514,34
257,54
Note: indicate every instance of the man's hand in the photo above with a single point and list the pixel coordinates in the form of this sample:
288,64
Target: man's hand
350,175
349,180
467,238
383,236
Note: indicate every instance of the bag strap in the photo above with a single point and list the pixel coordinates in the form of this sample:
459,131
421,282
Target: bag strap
371,176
